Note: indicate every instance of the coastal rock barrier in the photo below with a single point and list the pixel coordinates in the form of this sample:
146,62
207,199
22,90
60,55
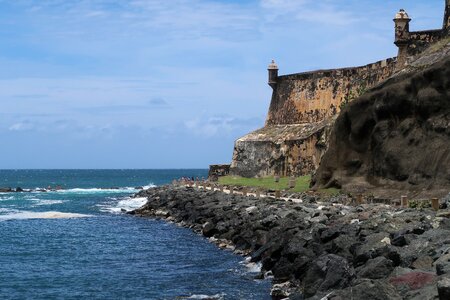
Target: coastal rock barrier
320,248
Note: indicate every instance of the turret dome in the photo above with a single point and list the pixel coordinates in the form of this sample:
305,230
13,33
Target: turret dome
273,65
402,15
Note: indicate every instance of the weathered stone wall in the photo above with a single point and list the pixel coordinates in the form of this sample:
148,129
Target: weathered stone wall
420,40
285,150
216,171
316,96
446,24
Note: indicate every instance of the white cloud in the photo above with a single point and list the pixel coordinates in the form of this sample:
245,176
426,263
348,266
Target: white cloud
208,127
322,12
21,126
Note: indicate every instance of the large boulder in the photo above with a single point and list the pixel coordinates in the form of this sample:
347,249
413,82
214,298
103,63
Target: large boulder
377,268
443,286
363,289
327,272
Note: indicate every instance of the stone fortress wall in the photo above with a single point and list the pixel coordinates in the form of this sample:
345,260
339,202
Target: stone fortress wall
314,96
303,107
317,95
420,40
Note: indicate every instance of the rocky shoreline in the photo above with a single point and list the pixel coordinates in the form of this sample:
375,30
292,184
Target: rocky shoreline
319,248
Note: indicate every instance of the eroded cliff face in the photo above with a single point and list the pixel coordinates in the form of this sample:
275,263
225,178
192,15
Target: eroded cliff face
396,135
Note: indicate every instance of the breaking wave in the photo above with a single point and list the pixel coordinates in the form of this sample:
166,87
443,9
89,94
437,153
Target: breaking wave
208,297
25,215
123,205
47,202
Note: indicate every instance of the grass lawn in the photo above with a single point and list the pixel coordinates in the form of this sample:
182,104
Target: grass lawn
302,183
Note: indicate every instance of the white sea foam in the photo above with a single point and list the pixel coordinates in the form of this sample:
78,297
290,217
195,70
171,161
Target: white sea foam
125,189
254,267
205,297
47,202
96,190
251,266
149,186
25,215
126,204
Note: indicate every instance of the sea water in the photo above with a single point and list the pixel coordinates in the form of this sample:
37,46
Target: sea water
77,242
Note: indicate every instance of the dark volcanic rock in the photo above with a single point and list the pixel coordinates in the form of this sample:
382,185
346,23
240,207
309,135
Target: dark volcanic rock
395,252
327,272
443,265
443,287
208,229
398,131
377,268
364,289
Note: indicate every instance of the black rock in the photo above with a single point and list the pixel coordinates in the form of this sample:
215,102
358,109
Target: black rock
6,190
208,229
443,265
367,289
330,234
443,287
399,241
327,272
377,268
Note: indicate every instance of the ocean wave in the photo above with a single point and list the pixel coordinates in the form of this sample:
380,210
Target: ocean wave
25,215
7,210
149,186
126,189
96,190
35,190
126,204
41,202
251,267
208,297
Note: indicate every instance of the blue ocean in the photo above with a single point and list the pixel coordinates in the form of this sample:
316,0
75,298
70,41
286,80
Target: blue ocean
76,242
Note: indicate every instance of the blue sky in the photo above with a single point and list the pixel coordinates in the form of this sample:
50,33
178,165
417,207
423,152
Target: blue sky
167,83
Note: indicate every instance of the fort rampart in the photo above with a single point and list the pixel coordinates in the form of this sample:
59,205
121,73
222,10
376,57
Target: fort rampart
314,96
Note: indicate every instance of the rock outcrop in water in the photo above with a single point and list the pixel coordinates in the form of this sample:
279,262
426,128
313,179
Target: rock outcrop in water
397,135
314,249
